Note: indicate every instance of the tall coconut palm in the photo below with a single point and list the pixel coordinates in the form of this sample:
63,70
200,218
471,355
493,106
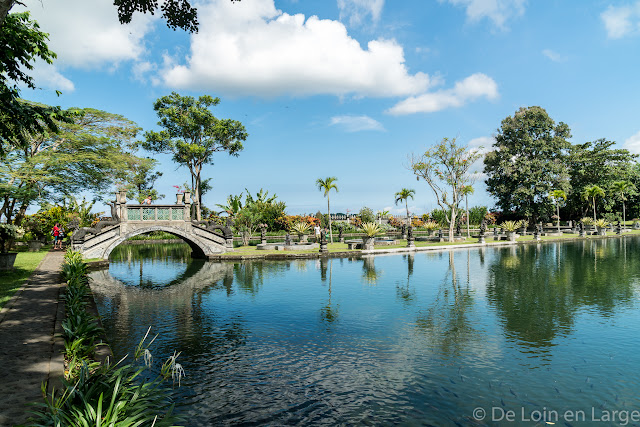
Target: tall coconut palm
404,194
591,193
326,185
557,196
465,191
622,189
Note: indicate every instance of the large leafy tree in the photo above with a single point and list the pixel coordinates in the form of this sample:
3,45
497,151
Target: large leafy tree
193,135
86,155
140,179
528,160
21,43
596,163
405,194
326,185
445,168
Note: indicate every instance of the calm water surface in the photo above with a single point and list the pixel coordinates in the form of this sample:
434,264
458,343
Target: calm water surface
418,339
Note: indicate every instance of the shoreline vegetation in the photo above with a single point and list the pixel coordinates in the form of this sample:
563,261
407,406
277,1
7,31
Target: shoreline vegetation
341,249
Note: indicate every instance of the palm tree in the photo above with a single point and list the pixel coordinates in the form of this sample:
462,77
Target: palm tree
556,196
382,214
591,193
326,185
404,194
620,188
465,191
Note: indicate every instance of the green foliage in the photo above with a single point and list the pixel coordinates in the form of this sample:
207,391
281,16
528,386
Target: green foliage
528,160
177,13
22,43
371,229
140,178
430,225
285,222
300,228
587,220
477,214
405,194
592,193
89,154
511,226
8,233
366,215
601,223
597,163
192,134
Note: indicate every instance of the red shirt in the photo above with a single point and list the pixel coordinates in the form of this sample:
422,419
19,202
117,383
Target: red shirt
56,231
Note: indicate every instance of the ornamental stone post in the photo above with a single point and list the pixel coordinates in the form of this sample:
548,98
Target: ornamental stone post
323,242
410,238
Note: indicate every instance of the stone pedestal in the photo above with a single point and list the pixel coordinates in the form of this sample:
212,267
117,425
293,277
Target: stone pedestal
481,239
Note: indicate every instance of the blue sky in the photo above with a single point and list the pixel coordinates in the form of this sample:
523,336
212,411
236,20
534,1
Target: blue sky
350,88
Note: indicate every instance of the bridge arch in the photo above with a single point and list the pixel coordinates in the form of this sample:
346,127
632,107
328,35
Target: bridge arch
199,248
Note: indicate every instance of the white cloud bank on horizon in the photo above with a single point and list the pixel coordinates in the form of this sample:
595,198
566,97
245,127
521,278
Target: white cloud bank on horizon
254,49
622,21
356,11
356,123
498,11
633,143
473,87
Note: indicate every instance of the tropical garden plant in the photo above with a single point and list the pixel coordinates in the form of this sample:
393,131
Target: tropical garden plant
371,229
591,193
558,196
326,185
511,226
404,195
300,228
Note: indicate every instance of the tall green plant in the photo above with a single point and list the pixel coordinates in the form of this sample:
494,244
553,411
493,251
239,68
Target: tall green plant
326,185
405,194
558,196
622,189
591,193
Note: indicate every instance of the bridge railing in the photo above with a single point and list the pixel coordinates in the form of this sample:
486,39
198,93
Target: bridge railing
156,213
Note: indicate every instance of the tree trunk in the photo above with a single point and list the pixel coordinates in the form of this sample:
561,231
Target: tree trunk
558,213
329,213
406,205
451,224
196,194
594,208
624,216
466,202
5,6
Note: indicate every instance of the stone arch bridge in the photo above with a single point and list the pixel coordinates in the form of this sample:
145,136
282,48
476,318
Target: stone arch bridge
129,220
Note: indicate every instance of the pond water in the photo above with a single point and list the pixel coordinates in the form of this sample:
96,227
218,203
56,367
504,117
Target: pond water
550,332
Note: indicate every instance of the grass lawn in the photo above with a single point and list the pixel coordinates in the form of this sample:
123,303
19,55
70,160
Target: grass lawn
11,281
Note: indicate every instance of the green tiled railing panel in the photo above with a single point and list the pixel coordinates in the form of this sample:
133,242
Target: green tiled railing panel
133,214
164,213
177,214
148,214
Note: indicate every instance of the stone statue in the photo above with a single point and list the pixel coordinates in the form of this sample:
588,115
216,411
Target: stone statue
410,238
287,239
483,227
263,233
458,230
114,211
340,235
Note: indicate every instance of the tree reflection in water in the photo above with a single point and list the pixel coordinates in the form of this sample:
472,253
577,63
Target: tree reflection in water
329,312
447,320
539,290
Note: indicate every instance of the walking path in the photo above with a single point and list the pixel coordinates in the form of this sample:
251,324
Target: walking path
30,354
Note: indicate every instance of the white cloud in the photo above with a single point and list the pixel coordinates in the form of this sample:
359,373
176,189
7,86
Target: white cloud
87,34
498,11
554,56
46,76
142,69
633,143
356,123
251,48
621,21
483,145
357,10
473,87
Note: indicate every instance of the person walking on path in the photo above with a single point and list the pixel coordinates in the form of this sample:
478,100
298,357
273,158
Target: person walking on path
30,351
147,201
57,238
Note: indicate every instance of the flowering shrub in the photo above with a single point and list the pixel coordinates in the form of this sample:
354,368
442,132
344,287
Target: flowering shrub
416,222
491,217
285,222
395,222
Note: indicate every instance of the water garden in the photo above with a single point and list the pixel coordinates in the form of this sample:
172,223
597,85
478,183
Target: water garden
422,338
